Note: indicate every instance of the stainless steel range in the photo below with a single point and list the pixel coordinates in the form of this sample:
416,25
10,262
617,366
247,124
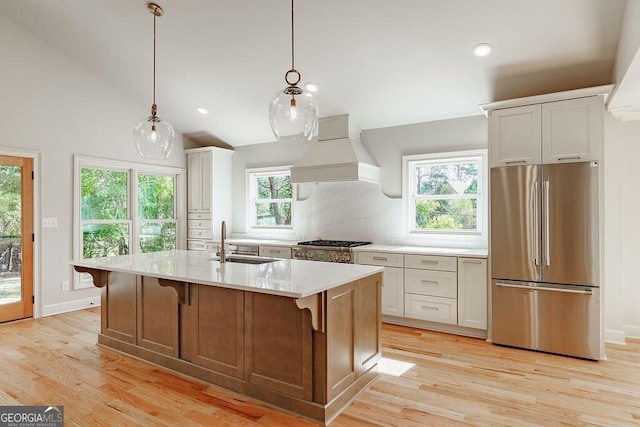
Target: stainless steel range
327,250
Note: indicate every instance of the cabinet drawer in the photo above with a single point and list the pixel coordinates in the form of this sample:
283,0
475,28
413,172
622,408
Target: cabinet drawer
200,234
431,262
276,251
195,245
433,309
192,215
199,223
381,258
431,282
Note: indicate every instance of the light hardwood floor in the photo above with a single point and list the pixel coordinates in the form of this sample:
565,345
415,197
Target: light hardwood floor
453,381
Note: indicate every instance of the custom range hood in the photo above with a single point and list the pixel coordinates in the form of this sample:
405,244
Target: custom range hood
337,156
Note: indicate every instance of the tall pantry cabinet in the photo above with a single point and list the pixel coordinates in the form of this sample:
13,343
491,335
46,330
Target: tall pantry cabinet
208,194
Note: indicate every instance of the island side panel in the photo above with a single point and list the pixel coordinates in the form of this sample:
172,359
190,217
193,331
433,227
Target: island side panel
279,340
367,323
118,307
157,317
212,329
341,372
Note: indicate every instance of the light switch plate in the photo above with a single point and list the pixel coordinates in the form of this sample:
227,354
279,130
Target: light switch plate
49,222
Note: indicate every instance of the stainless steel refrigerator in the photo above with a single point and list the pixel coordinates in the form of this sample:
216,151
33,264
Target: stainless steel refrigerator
545,258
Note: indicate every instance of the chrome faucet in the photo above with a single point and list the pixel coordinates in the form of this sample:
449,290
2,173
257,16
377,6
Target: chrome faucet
223,236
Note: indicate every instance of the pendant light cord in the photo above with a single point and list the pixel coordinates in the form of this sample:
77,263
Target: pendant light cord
293,67
155,17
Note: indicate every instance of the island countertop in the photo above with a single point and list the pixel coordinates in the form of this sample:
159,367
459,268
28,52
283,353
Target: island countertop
286,277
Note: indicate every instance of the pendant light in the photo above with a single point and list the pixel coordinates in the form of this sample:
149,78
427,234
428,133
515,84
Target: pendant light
293,113
153,136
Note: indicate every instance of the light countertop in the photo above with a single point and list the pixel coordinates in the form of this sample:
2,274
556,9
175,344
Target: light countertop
423,250
287,277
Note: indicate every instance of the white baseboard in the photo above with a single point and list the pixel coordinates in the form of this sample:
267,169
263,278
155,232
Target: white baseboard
65,307
632,331
615,336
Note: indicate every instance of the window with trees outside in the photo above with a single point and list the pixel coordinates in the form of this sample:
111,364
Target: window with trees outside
124,208
446,192
270,197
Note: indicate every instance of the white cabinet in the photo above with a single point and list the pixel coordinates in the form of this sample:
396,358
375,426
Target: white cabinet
283,252
472,292
448,292
571,130
431,287
208,194
515,135
553,132
392,279
199,181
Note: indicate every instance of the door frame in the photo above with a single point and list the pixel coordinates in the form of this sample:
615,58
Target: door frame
37,226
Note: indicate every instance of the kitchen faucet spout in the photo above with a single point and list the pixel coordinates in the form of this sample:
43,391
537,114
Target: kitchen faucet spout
223,236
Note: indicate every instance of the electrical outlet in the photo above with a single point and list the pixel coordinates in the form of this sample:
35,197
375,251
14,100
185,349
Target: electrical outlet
65,285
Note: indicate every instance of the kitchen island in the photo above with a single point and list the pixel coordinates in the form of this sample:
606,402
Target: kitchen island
300,335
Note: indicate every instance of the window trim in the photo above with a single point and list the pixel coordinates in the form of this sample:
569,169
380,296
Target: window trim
473,237
132,169
250,200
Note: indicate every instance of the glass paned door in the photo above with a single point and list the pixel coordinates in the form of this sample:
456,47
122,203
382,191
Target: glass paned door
16,238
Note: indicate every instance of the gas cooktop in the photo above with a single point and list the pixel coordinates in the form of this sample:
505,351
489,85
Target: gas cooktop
334,243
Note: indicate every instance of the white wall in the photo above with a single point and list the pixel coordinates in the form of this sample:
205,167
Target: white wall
621,287
355,210
631,228
52,106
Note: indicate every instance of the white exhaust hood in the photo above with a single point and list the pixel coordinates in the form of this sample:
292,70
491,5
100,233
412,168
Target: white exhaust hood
337,156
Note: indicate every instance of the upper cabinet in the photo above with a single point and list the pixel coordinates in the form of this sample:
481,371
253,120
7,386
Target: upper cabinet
515,136
572,129
208,194
200,181
555,128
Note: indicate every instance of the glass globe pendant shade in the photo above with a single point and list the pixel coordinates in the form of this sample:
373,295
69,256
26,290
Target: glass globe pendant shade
154,138
293,116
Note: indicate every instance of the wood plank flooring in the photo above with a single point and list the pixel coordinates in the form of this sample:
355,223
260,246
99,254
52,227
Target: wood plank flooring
453,381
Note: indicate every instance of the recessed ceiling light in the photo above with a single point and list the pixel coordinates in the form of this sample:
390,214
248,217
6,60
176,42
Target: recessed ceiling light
202,110
311,87
483,49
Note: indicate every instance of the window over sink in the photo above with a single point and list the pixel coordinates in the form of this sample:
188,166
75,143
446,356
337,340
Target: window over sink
445,193
270,195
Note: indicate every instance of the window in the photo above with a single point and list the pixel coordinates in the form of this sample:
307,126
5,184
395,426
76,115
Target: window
124,208
445,192
270,198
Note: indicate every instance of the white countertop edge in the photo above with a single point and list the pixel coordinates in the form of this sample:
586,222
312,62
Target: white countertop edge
424,250
309,290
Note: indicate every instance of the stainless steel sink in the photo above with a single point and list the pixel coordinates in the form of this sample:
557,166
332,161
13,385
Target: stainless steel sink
246,259
250,260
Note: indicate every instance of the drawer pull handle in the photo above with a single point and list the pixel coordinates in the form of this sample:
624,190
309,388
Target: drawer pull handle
428,261
275,251
427,307
513,162
468,261
569,158
380,258
430,281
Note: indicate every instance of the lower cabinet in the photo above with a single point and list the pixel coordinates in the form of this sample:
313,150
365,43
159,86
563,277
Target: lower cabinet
392,303
472,292
447,290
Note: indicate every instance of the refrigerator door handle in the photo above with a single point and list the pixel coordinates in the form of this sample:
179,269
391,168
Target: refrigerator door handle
542,288
547,251
536,221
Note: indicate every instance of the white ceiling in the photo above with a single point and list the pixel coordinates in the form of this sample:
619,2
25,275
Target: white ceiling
384,62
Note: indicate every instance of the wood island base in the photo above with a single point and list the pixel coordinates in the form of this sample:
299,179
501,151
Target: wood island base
310,356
